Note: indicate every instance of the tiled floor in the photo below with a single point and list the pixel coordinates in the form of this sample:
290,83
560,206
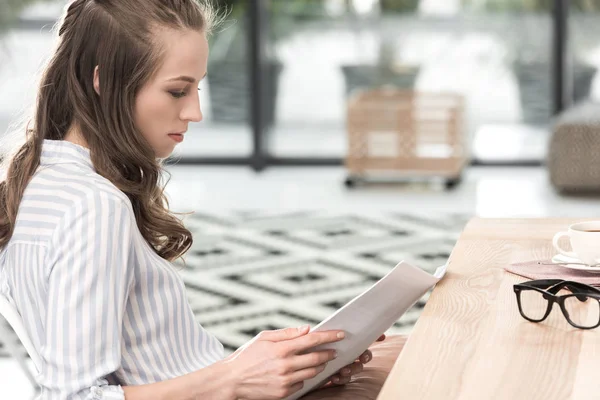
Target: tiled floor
486,192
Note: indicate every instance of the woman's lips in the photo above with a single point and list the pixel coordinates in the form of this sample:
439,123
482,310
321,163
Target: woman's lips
178,137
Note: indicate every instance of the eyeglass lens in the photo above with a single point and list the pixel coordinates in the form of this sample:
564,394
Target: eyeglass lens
582,310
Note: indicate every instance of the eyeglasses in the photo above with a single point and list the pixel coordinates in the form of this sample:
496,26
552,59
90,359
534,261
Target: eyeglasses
581,307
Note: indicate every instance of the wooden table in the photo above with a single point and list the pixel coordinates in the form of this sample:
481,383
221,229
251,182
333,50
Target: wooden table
471,342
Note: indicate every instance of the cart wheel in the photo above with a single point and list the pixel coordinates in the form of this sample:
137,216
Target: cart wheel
350,182
452,183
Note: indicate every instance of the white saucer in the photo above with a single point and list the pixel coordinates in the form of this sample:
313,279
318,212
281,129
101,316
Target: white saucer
559,258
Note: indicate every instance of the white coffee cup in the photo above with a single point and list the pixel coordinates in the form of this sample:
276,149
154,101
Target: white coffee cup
585,241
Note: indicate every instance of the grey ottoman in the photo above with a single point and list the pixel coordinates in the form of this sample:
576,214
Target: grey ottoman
574,151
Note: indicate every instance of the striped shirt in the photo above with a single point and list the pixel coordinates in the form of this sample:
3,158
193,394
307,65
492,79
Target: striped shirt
101,307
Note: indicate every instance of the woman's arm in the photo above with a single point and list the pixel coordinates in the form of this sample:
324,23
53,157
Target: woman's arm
273,365
89,276
89,280
213,382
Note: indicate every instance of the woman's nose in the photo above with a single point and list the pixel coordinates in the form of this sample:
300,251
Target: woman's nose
192,111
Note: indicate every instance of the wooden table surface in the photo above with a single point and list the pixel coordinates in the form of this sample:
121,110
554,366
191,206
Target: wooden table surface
471,342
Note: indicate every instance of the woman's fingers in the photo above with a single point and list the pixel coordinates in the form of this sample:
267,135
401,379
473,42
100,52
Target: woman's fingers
345,374
307,373
283,334
340,380
313,359
311,340
356,368
366,357
351,369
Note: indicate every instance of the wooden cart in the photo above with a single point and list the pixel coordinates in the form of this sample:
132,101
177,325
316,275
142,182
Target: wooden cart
412,134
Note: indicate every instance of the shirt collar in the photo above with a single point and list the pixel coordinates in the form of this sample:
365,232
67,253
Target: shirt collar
65,152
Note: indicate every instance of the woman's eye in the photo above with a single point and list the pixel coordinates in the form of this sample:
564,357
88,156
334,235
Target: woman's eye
178,95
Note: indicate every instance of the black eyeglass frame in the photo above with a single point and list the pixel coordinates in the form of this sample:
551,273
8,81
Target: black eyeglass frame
548,289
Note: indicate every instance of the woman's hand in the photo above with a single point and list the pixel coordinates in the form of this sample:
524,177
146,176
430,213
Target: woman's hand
273,364
345,374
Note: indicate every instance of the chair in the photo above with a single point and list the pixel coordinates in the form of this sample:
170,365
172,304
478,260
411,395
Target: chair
12,316
405,132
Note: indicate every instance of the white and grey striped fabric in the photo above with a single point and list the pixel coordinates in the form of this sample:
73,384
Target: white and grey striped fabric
102,308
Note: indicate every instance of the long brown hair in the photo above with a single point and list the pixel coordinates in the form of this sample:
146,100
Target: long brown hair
121,37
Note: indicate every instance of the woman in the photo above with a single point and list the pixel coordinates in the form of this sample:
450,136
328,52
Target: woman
86,237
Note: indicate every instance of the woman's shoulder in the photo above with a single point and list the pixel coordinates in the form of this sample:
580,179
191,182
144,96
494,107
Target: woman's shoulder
55,202
57,190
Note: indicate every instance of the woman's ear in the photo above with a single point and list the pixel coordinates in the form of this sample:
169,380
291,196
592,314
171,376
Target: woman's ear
96,80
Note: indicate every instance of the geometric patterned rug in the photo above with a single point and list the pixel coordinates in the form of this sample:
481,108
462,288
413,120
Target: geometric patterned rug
248,271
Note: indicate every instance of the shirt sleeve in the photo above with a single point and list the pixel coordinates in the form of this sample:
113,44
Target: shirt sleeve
89,277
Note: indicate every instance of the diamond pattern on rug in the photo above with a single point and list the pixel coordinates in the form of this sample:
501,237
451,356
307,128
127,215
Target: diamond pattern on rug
428,254
301,278
252,270
214,251
338,232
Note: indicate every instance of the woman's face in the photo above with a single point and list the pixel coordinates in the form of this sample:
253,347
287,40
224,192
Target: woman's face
167,103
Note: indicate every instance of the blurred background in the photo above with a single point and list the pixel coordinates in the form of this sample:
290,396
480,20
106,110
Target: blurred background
302,59
342,136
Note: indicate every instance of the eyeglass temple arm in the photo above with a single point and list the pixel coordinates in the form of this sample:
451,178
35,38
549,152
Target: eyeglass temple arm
555,285
544,284
574,287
